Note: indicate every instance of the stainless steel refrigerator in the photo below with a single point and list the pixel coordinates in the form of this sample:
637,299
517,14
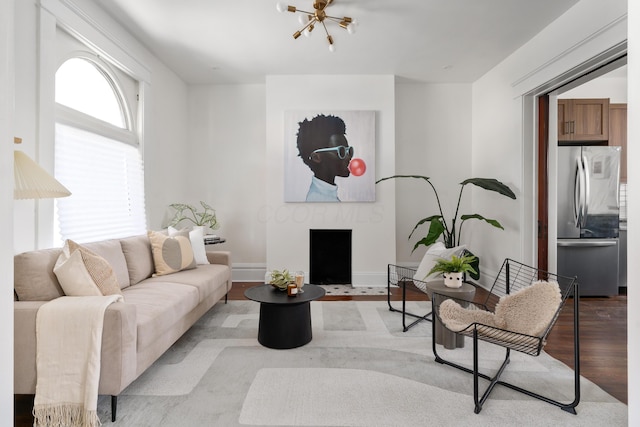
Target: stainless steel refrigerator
588,217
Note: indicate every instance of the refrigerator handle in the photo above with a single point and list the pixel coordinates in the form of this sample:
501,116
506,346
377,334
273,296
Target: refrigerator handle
587,189
577,193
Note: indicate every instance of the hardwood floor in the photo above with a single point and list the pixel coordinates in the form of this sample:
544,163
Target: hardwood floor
603,342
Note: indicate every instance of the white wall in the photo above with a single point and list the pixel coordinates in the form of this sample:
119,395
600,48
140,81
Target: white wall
433,138
6,209
633,180
227,146
373,224
614,88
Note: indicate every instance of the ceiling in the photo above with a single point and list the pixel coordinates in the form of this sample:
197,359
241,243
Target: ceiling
242,41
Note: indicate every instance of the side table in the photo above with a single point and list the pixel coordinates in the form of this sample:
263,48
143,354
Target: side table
442,335
284,322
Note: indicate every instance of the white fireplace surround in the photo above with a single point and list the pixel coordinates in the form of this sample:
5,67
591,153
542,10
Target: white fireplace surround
372,223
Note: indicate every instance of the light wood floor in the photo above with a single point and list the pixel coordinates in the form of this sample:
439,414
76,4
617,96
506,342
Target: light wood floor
603,342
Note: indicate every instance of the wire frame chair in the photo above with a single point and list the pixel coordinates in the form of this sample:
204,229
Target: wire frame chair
402,277
514,276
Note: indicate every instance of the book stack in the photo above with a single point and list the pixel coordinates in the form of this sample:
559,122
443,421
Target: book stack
210,239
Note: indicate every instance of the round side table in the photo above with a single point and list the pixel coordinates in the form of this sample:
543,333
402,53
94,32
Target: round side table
285,322
443,336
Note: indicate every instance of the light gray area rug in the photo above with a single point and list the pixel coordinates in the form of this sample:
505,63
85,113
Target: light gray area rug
360,369
340,290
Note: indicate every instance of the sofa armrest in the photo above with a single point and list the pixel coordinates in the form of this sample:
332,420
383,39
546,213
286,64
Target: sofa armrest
118,355
219,257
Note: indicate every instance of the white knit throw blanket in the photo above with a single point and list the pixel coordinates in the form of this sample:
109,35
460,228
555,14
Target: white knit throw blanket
69,339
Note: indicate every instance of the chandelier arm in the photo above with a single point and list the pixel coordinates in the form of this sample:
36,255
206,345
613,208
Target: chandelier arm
325,28
336,19
313,21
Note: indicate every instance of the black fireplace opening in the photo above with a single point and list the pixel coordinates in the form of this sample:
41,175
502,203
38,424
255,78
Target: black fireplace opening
330,257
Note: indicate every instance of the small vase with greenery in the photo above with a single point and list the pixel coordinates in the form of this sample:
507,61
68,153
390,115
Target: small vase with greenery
462,264
280,279
185,212
453,269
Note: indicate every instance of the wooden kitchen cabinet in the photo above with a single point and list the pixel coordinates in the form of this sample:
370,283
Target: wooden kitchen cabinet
618,134
583,119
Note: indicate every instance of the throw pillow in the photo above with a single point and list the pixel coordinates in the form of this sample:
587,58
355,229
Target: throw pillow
171,253
84,273
529,310
434,252
196,236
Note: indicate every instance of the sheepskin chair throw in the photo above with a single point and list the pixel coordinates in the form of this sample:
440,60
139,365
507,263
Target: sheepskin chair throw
527,311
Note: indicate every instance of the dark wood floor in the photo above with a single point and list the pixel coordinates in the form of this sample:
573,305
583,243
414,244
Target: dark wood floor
603,341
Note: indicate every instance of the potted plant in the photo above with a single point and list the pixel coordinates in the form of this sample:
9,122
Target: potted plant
280,279
453,269
450,231
185,212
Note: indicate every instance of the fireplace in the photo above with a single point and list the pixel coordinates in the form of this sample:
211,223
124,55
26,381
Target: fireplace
330,257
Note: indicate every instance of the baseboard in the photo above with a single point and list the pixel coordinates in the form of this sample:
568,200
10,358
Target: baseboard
250,272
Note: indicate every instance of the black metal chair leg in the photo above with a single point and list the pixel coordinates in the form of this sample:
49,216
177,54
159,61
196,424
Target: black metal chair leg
114,407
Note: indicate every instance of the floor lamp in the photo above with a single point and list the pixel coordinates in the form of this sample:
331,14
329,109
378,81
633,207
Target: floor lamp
31,181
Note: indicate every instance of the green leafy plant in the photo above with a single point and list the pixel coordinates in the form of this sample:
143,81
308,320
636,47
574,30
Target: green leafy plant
280,279
450,232
462,264
185,212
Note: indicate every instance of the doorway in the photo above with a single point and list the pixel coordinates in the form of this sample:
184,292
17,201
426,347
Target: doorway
593,83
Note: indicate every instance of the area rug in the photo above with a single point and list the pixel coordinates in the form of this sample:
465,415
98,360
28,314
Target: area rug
360,369
346,290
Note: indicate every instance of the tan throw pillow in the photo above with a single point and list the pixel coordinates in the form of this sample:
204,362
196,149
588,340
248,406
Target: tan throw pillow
171,253
83,273
529,310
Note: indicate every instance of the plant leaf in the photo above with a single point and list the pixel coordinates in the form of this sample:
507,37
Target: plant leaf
423,220
491,185
493,222
426,178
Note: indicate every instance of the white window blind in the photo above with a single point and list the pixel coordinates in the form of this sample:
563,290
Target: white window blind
106,180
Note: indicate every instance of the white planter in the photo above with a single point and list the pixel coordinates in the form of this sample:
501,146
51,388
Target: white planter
453,280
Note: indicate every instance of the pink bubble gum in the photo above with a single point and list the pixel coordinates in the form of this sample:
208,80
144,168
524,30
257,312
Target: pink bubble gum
357,167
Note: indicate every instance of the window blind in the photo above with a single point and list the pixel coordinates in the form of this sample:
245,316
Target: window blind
106,180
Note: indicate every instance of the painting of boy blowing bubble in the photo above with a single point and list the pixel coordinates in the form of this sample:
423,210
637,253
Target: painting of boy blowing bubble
330,157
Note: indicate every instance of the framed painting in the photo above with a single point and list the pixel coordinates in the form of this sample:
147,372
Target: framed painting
329,156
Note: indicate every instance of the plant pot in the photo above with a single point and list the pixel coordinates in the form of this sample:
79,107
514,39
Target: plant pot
453,279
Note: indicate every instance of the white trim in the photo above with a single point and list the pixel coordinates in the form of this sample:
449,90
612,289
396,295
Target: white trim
71,117
532,74
74,20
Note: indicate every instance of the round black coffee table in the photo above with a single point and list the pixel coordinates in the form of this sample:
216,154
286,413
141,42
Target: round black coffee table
285,322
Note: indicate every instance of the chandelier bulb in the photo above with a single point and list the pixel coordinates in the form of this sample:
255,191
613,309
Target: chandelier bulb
303,19
281,7
351,28
332,48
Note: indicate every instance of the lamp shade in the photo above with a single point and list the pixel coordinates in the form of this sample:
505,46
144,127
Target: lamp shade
33,182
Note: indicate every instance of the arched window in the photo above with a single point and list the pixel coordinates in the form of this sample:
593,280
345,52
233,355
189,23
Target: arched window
97,154
93,93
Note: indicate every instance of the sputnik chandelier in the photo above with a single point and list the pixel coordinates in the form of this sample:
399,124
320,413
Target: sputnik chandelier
310,19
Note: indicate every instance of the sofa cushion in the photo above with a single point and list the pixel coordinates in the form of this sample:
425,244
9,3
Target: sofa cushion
171,254
159,305
206,278
137,253
111,250
33,275
83,273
